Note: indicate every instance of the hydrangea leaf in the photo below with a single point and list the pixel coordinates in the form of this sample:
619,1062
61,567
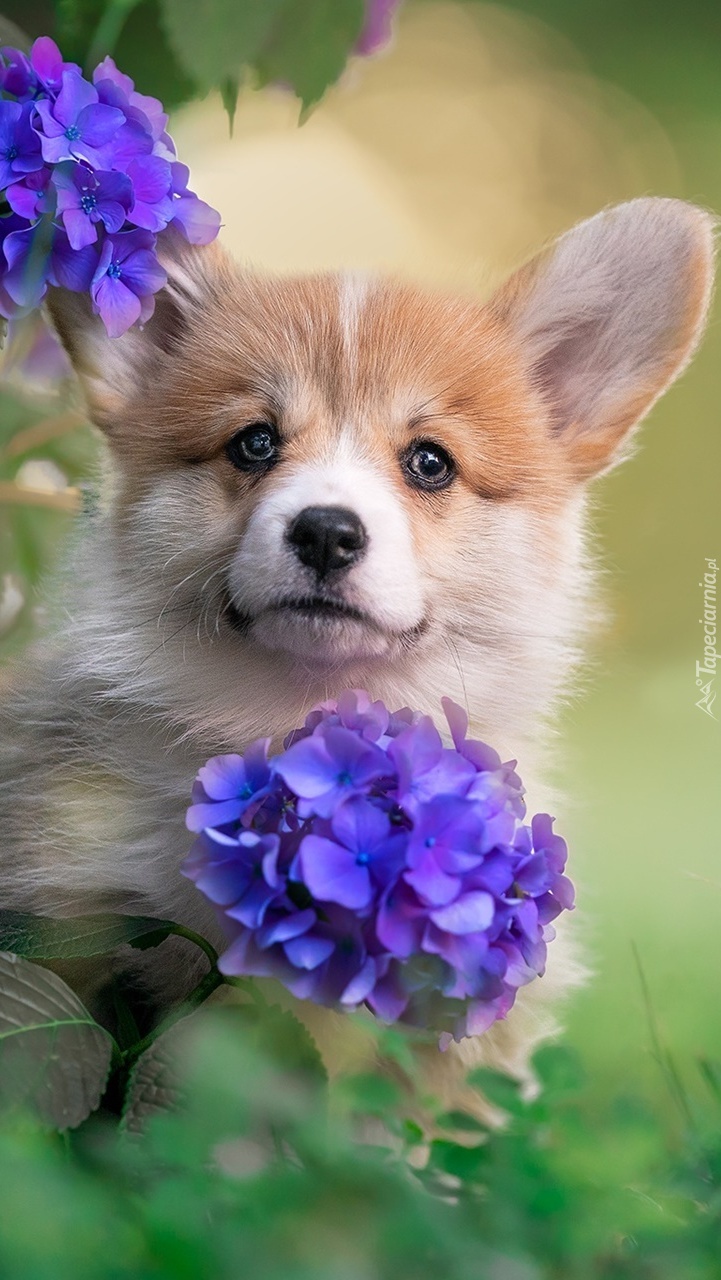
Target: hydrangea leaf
144,53
156,1082
54,1057
43,938
214,39
229,91
559,1071
369,1093
460,1121
312,43
77,21
501,1091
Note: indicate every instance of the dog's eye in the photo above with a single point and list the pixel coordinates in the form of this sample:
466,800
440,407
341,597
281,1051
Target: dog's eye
254,447
428,466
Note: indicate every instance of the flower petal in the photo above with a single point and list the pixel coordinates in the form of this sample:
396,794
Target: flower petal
332,874
118,306
307,952
470,913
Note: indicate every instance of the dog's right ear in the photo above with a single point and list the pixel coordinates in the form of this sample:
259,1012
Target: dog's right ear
112,371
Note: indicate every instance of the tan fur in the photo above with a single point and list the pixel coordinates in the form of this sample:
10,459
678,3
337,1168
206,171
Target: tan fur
481,591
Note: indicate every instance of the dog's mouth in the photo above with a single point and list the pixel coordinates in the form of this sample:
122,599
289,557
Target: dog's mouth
322,607
309,607
321,619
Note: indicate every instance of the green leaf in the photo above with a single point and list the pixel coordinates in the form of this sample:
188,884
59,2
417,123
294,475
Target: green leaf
214,39
229,91
559,1071
501,1091
143,52
278,1034
43,938
461,1121
464,1162
77,21
369,1093
54,1057
311,45
154,1082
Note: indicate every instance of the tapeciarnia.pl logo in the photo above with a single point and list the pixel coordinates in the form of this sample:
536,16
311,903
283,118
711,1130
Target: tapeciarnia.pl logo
706,670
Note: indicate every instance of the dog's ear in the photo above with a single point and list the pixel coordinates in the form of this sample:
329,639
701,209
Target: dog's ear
112,371
608,317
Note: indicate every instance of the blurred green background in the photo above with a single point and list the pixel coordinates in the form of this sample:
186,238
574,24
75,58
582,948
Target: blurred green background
482,132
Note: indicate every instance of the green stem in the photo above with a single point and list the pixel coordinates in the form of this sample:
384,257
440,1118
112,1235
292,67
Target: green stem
181,932
207,985
108,30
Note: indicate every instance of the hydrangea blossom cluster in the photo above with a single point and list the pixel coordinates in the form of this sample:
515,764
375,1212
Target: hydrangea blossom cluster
369,864
89,178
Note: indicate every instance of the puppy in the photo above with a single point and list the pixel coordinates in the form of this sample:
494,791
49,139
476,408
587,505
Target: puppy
318,483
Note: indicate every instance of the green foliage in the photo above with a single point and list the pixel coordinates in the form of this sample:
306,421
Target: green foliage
311,44
212,39
179,49
251,1168
303,43
232,1144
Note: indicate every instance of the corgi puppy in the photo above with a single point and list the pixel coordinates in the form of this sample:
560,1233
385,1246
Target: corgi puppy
318,483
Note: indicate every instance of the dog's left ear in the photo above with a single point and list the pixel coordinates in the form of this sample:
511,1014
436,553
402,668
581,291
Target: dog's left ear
608,317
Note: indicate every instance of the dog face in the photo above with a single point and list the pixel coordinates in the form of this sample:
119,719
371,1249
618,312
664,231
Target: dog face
351,474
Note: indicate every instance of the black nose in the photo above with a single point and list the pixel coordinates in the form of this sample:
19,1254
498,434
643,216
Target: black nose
327,538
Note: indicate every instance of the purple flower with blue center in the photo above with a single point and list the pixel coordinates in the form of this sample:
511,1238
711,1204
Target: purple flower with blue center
228,785
77,126
87,197
19,143
127,276
371,864
331,765
362,849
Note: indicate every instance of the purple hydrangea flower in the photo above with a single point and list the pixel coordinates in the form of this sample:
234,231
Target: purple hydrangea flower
198,222
86,197
138,106
71,268
16,74
151,186
399,874
330,766
361,849
26,253
77,126
46,61
125,279
34,257
19,143
87,170
227,785
32,196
